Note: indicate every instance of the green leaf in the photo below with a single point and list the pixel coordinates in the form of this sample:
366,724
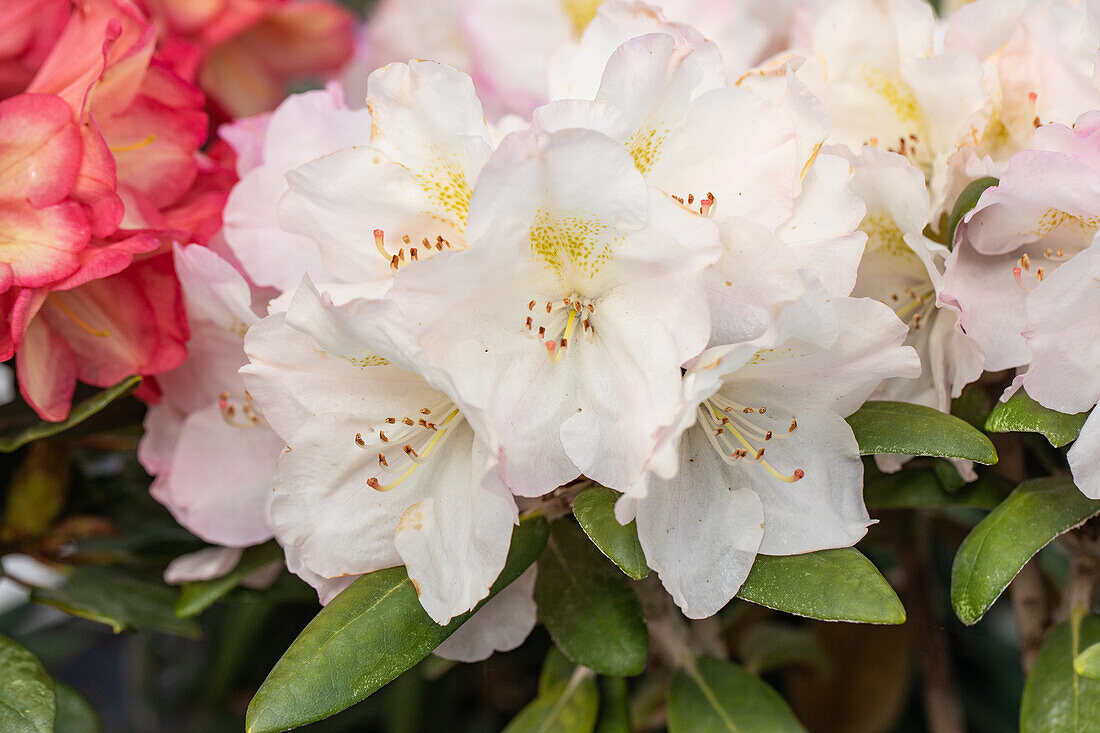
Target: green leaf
768,646
122,601
15,438
595,511
920,487
74,714
196,597
966,201
1001,544
367,636
614,706
1021,414
556,669
831,585
38,490
1056,699
1087,663
712,696
568,707
916,430
588,606
27,699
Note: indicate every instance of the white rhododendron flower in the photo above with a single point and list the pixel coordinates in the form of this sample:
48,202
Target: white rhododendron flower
761,459
902,268
207,443
382,467
1044,211
872,64
406,194
569,316
1063,336
271,255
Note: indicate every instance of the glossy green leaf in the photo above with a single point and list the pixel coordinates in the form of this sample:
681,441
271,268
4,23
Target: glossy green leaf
27,699
920,488
74,714
712,696
588,606
1087,663
568,707
367,636
1057,699
122,601
15,438
1021,414
966,201
196,597
595,511
916,430
831,585
614,714
1002,543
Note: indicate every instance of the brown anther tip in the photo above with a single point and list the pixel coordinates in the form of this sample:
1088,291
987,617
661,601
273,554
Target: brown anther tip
391,420
401,254
425,411
382,437
719,431
409,450
405,239
412,254
359,439
768,435
747,410
549,307
759,454
224,396
762,410
531,306
382,460
408,421
794,424
230,410
564,343
592,309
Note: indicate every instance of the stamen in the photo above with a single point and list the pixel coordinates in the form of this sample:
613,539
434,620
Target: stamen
134,146
78,320
380,243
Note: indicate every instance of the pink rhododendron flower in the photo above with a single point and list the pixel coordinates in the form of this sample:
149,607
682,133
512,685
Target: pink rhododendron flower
244,53
28,31
1063,338
1045,210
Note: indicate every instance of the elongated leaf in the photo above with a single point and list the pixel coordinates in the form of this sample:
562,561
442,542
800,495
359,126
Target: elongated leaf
196,597
74,714
712,696
614,706
568,707
769,646
899,427
1087,663
914,488
966,201
37,490
1056,699
595,511
831,585
27,699
999,545
115,598
368,635
556,669
1021,414
14,439
588,606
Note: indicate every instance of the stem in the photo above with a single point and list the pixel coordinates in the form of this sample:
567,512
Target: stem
940,704
1031,608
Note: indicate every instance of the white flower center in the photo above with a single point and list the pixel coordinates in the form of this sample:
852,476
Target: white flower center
736,438
405,443
424,249
1053,259
240,415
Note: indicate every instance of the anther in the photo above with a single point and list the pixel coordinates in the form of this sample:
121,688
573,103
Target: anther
382,460
412,254
408,421
359,440
391,420
531,306
373,483
425,411
759,454
382,437
793,427
409,450
768,435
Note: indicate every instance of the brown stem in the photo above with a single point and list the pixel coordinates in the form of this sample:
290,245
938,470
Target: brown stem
1031,608
941,707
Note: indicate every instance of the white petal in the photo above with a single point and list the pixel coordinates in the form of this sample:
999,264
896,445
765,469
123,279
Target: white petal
219,484
500,625
700,530
1084,458
212,562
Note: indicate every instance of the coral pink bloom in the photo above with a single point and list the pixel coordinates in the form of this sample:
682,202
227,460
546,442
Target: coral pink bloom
143,122
104,323
244,52
42,229
28,30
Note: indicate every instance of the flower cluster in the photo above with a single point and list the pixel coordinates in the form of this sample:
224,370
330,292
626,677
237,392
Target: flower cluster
665,250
